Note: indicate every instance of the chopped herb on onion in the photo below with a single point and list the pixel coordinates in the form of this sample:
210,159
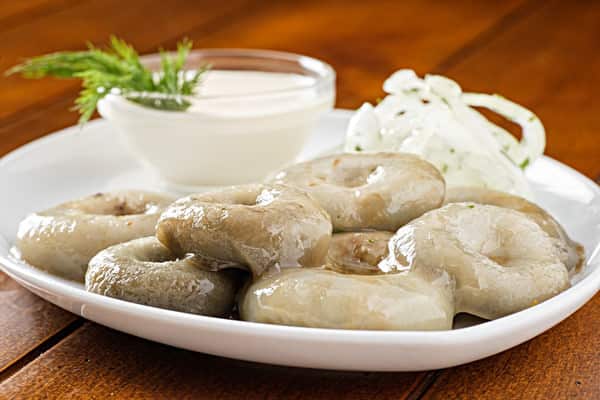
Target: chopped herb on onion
433,118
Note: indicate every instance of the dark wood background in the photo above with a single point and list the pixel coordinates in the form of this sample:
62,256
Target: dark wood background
543,54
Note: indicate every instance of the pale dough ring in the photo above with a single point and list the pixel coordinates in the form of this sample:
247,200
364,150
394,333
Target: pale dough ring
381,191
480,259
63,239
259,226
144,271
571,253
351,292
501,260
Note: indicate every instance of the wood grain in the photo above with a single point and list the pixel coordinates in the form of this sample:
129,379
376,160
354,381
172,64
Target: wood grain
546,63
26,321
562,363
14,13
365,43
96,362
542,54
276,26
85,19
29,321
27,117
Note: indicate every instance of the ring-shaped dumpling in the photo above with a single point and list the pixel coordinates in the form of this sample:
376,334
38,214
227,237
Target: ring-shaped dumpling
63,239
259,226
144,271
320,298
380,191
351,292
501,260
571,252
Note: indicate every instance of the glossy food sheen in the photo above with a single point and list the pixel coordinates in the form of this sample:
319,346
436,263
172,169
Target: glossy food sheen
146,272
327,299
358,252
259,226
351,292
571,253
62,239
381,191
502,261
480,259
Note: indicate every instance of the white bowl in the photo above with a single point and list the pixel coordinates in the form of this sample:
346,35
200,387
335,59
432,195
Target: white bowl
229,138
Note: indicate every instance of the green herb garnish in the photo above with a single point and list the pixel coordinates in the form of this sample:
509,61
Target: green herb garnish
358,148
118,69
524,164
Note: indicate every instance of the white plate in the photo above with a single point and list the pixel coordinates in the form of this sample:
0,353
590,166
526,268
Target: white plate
76,162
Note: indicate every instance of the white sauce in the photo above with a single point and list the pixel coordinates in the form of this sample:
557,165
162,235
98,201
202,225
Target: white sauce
245,93
241,126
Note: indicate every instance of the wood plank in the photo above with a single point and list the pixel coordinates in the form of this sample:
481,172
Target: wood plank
587,385
96,362
13,13
562,363
25,321
365,43
37,123
259,28
388,43
548,63
72,27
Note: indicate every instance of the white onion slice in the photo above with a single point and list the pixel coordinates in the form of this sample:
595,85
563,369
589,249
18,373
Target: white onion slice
431,117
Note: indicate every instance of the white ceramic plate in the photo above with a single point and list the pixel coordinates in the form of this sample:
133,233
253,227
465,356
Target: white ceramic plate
77,162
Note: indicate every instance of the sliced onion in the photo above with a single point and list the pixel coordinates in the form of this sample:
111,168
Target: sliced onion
431,117
533,139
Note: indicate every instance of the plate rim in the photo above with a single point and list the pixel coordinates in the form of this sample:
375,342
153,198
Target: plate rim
577,295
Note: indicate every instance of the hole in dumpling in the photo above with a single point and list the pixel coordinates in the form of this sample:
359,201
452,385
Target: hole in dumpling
464,320
356,176
106,204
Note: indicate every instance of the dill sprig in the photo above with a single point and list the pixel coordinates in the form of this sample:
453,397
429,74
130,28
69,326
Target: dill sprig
119,69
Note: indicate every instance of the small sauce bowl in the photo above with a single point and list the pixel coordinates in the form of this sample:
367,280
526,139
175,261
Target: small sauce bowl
235,131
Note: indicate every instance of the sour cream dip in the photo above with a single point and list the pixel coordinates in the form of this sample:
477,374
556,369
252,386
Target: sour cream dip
252,113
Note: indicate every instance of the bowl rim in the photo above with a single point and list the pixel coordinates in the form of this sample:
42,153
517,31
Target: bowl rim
326,75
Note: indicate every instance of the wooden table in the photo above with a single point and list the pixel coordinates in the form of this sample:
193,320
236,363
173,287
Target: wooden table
544,55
